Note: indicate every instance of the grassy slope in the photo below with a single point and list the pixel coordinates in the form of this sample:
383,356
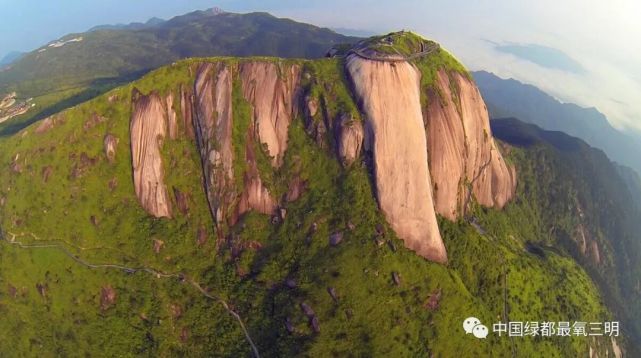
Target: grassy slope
386,319
564,174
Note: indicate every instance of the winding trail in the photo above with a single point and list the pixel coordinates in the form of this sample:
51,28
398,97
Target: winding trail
158,274
430,48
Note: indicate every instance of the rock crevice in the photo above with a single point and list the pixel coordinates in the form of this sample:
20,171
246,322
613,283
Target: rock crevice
213,128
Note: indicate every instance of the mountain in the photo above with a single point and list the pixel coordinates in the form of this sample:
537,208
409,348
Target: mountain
593,212
10,58
352,205
127,51
77,67
154,21
511,98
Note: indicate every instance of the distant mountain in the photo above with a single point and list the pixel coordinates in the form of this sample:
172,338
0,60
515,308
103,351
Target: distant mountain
632,180
154,21
511,98
78,67
590,204
10,58
126,51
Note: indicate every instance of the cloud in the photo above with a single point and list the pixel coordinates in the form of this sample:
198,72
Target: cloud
602,37
599,37
544,56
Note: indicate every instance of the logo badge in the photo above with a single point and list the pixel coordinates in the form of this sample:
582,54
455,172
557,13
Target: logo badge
473,325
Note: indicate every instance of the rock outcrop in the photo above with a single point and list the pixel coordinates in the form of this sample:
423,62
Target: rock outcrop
148,129
255,195
349,138
446,149
493,183
213,123
110,142
390,98
172,121
213,127
273,93
424,160
461,148
186,103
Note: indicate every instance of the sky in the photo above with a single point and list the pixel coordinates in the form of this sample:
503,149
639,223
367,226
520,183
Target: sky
601,37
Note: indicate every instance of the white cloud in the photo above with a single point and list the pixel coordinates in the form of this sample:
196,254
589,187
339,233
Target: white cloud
602,36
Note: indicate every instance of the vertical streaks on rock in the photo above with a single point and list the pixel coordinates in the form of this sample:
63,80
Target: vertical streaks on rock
273,94
110,142
462,149
389,97
148,129
350,138
213,127
171,117
255,195
495,183
446,147
186,103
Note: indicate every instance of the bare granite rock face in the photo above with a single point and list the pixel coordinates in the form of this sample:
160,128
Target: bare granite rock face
186,109
273,93
350,138
462,150
494,184
172,121
148,129
446,149
47,124
110,142
213,126
390,98
255,195
108,297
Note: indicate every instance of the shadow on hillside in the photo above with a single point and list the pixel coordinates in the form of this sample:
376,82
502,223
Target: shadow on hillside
94,89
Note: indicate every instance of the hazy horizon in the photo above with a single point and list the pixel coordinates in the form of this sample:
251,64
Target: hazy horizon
563,52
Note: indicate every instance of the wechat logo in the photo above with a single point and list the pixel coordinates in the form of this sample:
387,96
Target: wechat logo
473,325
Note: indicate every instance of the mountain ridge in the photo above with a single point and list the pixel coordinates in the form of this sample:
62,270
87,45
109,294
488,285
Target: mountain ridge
72,72
511,98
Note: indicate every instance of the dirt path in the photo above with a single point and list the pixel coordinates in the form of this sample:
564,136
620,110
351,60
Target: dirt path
394,57
156,273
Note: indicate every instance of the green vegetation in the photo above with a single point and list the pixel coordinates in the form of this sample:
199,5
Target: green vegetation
59,78
398,43
570,185
264,270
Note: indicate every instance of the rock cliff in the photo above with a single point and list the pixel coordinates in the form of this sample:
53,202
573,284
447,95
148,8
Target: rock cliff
431,145
213,122
390,98
349,139
148,128
461,148
213,126
273,93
